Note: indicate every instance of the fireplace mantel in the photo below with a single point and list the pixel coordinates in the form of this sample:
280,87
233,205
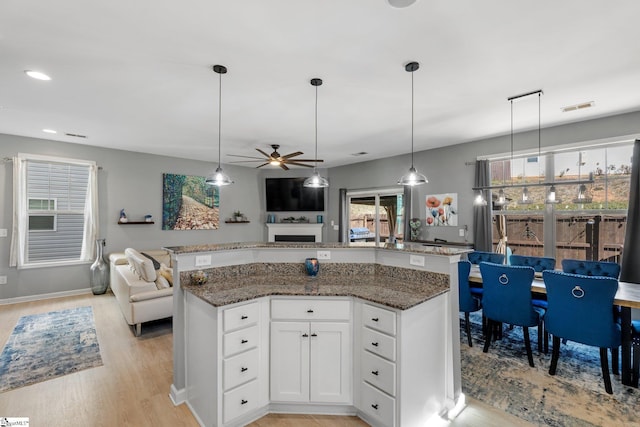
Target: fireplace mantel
295,229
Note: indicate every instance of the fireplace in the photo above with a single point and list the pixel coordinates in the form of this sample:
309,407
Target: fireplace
295,232
294,238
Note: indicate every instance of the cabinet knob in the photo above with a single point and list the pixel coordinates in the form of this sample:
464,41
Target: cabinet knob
375,344
314,334
243,402
375,319
304,335
243,369
374,372
244,317
243,341
310,311
375,406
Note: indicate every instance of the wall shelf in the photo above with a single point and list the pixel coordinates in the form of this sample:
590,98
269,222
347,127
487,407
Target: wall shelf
135,222
237,222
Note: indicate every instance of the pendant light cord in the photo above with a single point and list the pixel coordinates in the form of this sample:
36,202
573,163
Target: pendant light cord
315,163
412,120
219,117
511,164
539,138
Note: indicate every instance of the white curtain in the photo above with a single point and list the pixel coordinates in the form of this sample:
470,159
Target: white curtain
90,216
19,230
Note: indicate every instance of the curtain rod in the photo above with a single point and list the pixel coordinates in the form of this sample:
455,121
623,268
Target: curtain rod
10,159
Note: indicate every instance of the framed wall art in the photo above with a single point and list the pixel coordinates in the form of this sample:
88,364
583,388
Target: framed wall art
442,210
189,204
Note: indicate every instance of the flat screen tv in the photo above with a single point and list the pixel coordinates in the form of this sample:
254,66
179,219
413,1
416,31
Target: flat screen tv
288,194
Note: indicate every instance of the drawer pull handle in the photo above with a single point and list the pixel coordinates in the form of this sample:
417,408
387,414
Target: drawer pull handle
375,319
375,344
304,335
243,341
243,402
243,369
244,317
314,334
310,311
374,373
375,406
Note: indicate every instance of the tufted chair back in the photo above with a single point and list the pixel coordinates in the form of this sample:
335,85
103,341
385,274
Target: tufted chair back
476,257
591,268
538,263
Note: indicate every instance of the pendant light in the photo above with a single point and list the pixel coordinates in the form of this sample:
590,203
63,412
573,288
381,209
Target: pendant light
315,180
219,178
413,177
552,197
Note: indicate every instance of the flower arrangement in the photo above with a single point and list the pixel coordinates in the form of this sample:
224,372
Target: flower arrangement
199,278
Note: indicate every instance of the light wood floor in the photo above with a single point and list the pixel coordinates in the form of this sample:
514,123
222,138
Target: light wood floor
132,388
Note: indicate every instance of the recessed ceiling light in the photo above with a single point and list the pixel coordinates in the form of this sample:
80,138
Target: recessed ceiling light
37,75
49,131
578,106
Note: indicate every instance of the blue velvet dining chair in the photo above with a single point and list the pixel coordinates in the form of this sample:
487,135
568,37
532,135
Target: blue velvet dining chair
591,268
507,299
476,257
468,302
580,310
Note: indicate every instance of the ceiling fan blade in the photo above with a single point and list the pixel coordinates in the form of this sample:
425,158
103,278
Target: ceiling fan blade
288,156
300,164
246,157
283,166
264,164
247,161
305,160
263,153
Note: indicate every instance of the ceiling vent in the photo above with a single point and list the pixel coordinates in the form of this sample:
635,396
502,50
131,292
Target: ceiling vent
361,153
578,106
76,135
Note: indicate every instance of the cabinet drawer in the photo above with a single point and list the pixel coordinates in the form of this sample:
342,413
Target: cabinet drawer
238,341
378,405
379,372
240,369
240,401
379,318
238,317
380,344
310,309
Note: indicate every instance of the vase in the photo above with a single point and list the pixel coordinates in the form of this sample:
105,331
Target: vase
99,271
312,266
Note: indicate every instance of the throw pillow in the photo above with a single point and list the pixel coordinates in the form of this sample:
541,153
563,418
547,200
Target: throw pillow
141,265
161,282
156,264
167,273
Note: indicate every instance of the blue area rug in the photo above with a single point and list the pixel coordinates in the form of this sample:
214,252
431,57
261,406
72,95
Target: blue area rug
49,345
575,396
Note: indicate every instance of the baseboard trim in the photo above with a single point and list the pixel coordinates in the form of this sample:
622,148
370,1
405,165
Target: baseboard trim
307,408
178,397
30,298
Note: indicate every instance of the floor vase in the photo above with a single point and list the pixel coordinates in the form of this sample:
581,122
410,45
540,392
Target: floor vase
99,271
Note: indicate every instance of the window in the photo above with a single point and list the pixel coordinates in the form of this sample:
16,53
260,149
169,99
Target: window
586,227
55,211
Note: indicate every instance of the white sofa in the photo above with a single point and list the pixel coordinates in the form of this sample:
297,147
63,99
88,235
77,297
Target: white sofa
142,291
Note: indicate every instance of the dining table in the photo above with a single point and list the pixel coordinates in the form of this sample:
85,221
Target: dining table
627,297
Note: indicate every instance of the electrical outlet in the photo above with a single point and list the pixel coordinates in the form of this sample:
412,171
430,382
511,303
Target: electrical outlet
416,260
3,232
336,227
203,260
3,280
461,232
324,255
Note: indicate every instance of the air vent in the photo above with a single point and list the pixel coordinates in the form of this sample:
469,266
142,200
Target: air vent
361,153
76,135
578,106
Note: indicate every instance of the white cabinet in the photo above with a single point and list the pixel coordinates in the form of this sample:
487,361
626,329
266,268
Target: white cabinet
311,361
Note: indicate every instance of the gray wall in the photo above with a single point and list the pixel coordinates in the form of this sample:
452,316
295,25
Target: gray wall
132,181
447,173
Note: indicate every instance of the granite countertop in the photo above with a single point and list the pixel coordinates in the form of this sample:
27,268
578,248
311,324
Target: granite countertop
376,288
404,247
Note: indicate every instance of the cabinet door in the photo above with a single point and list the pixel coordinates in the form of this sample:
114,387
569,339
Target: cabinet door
290,361
330,369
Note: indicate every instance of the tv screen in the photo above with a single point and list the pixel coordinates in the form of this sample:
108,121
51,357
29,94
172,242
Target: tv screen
288,194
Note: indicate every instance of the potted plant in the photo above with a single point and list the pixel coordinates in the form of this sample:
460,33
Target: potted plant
238,216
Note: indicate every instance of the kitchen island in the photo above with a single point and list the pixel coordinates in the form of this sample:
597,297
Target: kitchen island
374,334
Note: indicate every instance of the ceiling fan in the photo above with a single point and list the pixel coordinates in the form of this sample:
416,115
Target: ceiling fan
276,159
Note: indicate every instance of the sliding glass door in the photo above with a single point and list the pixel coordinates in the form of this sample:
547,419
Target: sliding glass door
376,215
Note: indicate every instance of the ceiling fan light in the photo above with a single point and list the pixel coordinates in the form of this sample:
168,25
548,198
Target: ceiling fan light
316,181
218,178
412,178
274,162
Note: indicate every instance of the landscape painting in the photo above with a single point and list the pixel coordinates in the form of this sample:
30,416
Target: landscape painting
442,210
188,203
